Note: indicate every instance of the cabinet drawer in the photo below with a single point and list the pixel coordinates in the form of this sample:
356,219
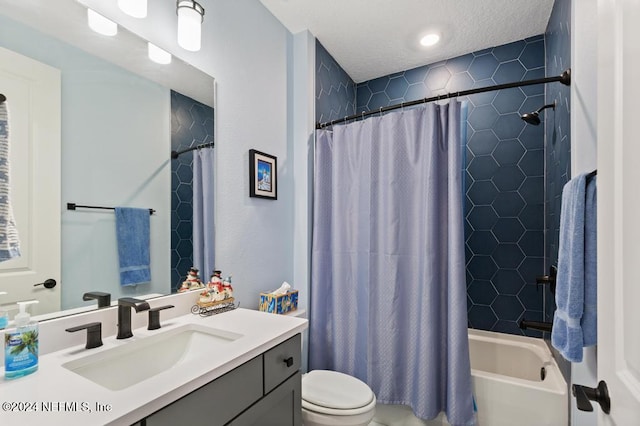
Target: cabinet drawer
281,362
217,402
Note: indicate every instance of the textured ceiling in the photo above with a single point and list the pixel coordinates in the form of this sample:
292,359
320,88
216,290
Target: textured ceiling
373,38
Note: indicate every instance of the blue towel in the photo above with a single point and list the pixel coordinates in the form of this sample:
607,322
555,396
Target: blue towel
590,315
576,280
132,232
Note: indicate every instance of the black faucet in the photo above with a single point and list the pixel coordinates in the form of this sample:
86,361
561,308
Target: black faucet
536,325
124,314
104,299
94,333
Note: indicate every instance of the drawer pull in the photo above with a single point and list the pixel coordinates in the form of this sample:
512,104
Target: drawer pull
289,361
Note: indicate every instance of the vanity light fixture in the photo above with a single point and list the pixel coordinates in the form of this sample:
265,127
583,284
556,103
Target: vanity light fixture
135,8
158,55
100,24
190,17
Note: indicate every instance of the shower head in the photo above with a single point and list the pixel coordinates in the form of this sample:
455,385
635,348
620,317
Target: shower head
534,117
531,118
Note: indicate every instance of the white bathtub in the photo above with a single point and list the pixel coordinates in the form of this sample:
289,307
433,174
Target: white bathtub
507,382
507,385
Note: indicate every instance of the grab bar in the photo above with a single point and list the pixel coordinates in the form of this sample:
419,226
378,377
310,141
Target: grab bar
536,325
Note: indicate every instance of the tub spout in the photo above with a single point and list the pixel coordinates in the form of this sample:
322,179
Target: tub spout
536,325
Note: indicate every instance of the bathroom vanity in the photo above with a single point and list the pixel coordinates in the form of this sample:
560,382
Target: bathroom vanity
264,391
238,368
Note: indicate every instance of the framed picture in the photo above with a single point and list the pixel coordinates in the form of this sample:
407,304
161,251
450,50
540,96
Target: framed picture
263,176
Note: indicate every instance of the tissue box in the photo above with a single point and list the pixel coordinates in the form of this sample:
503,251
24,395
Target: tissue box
279,303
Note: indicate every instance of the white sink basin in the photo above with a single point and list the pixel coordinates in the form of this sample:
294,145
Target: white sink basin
135,361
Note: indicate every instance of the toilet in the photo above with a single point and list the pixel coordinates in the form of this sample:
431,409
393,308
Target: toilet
330,398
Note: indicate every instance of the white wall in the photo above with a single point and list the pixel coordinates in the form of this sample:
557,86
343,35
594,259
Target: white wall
583,151
248,58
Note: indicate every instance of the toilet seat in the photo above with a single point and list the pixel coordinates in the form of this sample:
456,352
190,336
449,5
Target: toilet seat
336,394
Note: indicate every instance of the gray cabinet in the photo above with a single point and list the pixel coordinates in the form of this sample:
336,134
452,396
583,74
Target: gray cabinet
281,407
264,391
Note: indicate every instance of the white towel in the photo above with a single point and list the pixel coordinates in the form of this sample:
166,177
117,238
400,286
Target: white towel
9,242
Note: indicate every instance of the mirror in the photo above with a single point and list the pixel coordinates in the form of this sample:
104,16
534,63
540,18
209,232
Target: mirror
117,109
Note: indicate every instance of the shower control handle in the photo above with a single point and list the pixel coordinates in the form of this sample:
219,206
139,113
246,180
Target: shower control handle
600,395
549,279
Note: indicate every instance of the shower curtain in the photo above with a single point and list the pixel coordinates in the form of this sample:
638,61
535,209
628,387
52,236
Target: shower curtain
388,294
203,229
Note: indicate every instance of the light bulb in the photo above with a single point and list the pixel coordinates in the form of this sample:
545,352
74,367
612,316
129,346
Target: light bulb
158,55
135,8
190,16
430,40
100,24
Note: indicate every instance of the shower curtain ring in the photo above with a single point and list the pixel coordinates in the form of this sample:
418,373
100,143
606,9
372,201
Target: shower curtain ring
380,111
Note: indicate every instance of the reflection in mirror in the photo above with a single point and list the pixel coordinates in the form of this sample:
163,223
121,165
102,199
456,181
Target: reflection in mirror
117,119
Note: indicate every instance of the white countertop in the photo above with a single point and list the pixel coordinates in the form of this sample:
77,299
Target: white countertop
75,400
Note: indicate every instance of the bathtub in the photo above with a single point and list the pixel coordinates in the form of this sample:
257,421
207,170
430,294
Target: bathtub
515,380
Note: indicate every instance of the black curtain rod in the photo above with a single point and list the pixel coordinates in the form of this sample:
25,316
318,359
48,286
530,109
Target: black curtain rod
176,154
73,206
564,78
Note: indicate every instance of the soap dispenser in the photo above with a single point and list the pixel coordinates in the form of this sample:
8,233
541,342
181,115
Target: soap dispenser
4,315
21,345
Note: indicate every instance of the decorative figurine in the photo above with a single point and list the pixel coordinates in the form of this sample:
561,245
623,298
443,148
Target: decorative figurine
215,281
226,287
216,297
192,282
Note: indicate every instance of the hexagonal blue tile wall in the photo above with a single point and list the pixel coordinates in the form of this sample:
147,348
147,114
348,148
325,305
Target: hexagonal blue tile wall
191,125
335,90
558,131
504,167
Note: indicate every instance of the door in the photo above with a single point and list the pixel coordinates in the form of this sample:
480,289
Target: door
33,100
619,209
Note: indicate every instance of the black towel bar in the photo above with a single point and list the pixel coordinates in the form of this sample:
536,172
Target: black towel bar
73,206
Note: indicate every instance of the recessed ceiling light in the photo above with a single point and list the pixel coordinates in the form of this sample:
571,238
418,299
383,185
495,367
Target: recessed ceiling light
100,24
430,39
